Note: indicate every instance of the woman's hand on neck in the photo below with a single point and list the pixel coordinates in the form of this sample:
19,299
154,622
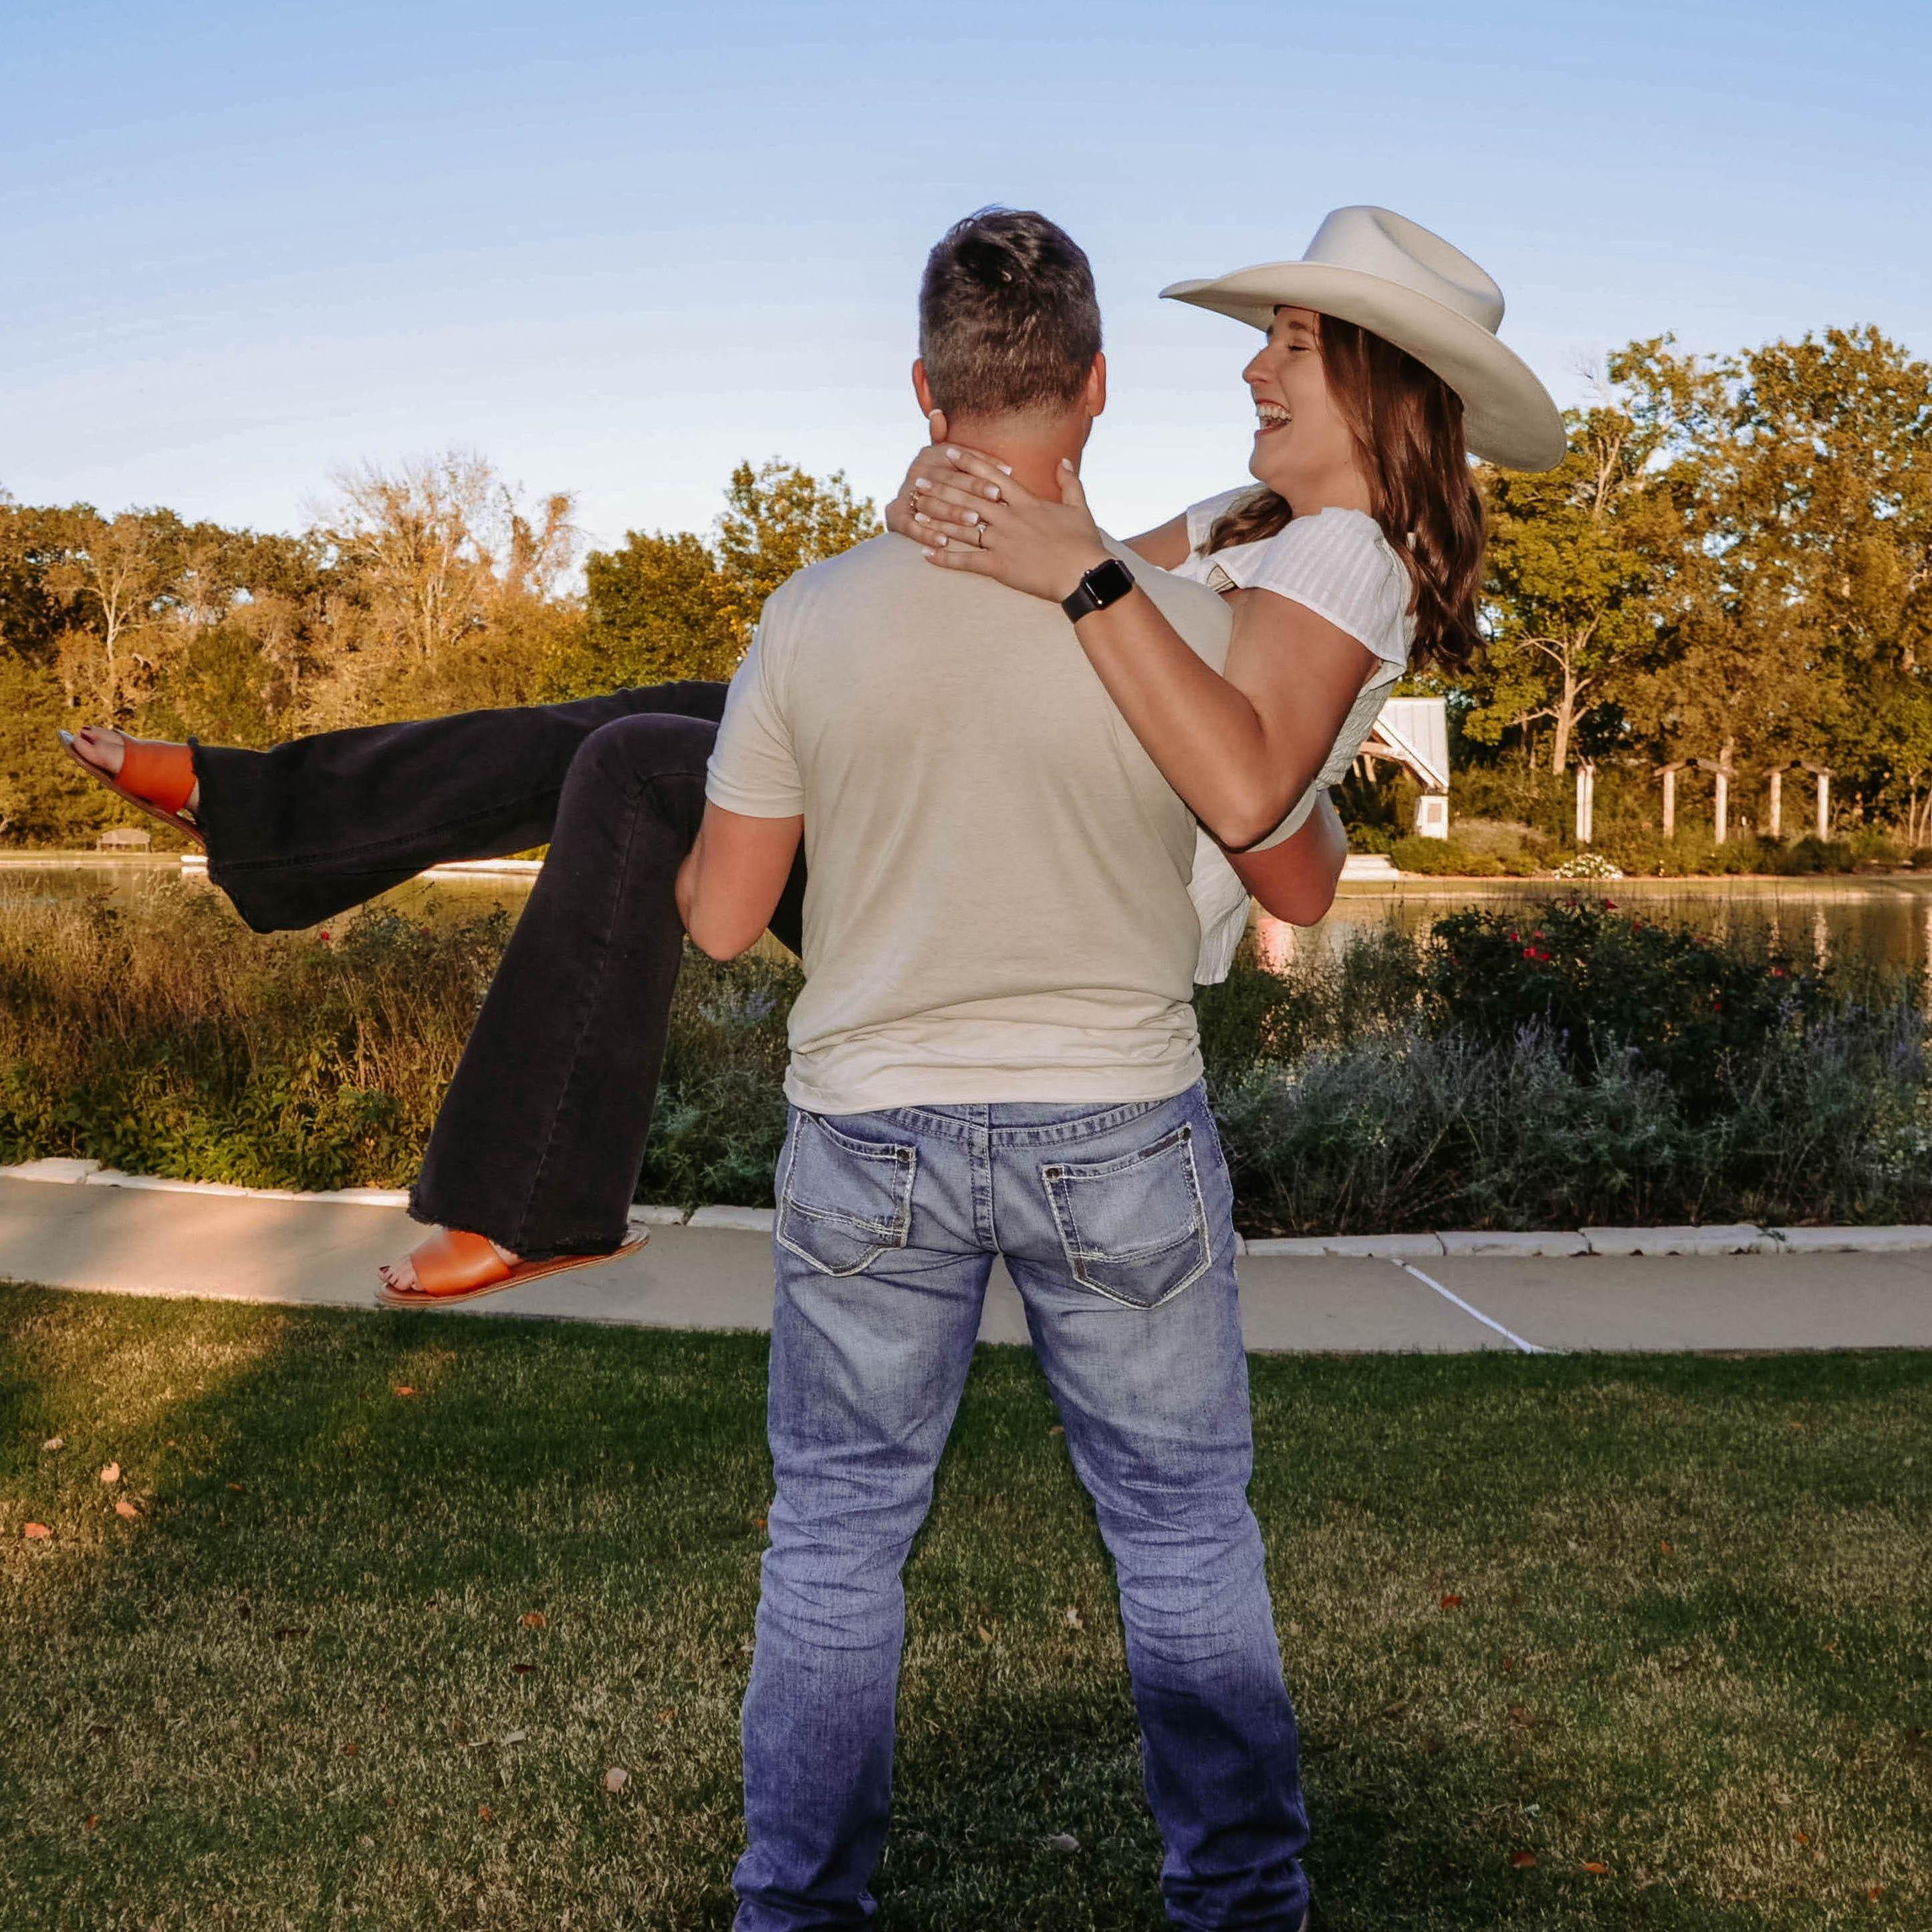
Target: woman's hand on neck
1031,448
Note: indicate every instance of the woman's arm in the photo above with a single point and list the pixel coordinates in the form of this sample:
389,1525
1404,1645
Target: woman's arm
1166,546
1239,747
1296,880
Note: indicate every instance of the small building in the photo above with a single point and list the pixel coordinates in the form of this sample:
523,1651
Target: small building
1413,734
125,839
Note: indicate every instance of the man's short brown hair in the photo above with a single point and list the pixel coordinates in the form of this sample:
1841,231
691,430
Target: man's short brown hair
1009,324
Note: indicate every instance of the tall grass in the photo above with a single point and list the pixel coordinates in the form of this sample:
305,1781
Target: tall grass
1366,1087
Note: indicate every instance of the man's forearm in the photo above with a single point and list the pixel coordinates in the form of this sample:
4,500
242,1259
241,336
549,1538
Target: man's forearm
1296,880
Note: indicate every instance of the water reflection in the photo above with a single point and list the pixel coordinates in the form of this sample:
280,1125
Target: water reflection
1886,920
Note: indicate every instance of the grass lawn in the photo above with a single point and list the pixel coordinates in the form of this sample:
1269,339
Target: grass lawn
1576,1642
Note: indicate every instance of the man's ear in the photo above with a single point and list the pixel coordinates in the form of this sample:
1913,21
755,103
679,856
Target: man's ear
1093,401
921,388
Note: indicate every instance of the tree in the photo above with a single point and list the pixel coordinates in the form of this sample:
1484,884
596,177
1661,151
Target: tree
1576,558
670,605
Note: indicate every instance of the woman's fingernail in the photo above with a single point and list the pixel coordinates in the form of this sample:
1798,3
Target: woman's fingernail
993,490
929,553
952,456
920,483
1067,463
920,517
972,516
1006,469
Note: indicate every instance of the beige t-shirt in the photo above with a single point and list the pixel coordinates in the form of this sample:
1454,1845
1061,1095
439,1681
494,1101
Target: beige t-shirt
998,905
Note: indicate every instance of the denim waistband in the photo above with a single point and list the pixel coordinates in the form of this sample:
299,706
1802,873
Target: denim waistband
1023,1123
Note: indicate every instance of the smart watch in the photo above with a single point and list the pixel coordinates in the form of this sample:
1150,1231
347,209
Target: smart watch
1105,583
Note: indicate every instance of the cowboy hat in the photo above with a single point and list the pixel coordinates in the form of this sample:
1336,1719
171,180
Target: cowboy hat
1389,275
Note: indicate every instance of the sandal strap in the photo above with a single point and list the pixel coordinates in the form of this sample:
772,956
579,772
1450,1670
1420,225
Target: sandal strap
454,1261
161,773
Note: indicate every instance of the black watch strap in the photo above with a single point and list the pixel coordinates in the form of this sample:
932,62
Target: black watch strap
1105,583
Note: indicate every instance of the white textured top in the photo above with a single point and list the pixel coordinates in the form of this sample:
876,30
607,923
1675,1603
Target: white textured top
1338,564
996,899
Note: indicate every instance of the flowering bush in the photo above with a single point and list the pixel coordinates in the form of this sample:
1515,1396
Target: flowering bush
1587,865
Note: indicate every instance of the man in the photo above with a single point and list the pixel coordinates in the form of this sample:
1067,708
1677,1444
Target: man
994,1053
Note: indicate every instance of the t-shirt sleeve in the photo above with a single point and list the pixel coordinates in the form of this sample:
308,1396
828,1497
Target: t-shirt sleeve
754,769
1203,516
1338,566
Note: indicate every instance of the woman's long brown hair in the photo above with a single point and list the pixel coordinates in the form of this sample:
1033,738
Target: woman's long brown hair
1408,424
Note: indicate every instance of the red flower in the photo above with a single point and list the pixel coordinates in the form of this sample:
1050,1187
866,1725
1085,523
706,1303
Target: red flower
323,935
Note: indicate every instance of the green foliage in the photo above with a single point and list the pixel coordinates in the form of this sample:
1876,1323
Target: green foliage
1594,1067
1606,984
678,605
1452,858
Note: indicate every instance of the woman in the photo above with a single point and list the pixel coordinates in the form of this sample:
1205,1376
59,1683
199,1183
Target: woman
537,1150
1360,553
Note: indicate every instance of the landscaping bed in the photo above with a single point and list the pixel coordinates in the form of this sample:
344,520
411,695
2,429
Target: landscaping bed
1538,1066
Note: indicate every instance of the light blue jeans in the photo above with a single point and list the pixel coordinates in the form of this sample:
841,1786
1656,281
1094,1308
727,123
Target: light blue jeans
1116,1226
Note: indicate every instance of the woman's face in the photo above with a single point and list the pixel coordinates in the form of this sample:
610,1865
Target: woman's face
1304,451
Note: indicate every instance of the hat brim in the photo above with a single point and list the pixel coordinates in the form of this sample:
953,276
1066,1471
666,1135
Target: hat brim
1508,417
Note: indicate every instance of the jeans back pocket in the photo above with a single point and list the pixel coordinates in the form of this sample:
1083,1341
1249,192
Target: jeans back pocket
844,1201
1133,1229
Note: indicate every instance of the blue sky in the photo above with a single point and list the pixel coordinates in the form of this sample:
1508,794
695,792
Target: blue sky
615,248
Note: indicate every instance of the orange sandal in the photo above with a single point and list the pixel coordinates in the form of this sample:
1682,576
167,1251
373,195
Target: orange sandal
154,775
454,1265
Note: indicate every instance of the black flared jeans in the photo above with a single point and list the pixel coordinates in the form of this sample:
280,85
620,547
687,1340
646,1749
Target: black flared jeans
541,1139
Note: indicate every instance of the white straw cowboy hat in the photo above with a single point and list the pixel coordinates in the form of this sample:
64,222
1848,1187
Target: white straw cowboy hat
1387,275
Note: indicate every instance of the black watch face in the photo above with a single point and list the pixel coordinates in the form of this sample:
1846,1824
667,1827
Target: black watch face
1110,581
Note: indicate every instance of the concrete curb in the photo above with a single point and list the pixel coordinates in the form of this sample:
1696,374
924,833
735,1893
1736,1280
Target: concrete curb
1739,1239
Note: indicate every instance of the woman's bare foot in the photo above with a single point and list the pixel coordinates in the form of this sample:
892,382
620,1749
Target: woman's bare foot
400,1276
104,747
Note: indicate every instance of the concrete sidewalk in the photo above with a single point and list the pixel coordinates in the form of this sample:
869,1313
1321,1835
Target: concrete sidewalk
323,1253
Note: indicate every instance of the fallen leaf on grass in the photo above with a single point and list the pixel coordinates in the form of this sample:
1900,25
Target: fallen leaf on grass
1595,1867
1874,1893
616,1778
665,1715
1665,1548
1522,1861
1803,1837
1058,1429
110,1472
35,1532
292,1630
521,1669
1521,1713
985,1635
484,1811
349,1750
122,1507
1064,1842
1072,1618
1452,1602
405,1390
93,1820
534,1620
54,1442
515,1737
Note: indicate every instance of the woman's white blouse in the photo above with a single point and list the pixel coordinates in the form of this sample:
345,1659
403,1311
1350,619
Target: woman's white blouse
1338,564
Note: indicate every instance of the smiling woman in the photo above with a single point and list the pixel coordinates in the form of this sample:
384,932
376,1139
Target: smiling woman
1361,549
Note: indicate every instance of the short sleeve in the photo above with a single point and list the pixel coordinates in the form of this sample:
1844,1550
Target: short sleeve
754,769
1338,564
1203,516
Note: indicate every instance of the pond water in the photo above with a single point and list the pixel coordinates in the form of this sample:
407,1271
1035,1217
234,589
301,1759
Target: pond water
1886,919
